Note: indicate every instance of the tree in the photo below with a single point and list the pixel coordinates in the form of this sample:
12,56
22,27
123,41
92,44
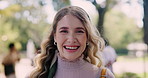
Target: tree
58,4
102,9
121,30
7,32
145,21
21,21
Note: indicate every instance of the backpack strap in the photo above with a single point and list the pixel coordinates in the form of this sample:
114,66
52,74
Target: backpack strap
103,73
52,70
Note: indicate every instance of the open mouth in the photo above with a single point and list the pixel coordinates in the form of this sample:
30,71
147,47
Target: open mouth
71,47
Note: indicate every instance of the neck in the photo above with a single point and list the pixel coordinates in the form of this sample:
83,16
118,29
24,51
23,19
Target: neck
64,63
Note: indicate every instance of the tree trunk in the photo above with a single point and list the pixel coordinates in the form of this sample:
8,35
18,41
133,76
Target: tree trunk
100,23
145,21
101,13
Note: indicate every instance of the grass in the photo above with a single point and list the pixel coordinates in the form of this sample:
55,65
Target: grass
141,75
127,58
131,75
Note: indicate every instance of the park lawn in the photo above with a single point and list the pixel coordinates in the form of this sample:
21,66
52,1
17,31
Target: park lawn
127,58
131,75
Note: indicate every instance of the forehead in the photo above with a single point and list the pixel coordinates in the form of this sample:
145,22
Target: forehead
70,21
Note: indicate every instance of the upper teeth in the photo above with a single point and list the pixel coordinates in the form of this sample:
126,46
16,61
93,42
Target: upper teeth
71,47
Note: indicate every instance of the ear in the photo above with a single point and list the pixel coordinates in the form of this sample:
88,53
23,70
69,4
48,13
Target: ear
55,38
87,41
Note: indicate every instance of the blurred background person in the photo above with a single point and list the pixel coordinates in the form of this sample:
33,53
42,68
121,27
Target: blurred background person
109,56
37,51
30,50
9,61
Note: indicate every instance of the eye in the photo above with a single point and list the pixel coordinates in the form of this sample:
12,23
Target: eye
63,31
80,31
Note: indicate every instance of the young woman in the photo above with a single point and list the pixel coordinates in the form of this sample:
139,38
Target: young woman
71,48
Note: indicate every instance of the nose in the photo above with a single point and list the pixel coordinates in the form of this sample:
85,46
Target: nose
72,38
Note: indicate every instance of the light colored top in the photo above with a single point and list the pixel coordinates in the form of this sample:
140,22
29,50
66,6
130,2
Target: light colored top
78,69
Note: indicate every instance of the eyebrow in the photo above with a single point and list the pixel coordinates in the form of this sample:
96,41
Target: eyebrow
76,28
64,28
80,28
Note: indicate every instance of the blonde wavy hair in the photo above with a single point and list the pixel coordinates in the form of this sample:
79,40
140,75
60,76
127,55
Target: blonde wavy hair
96,43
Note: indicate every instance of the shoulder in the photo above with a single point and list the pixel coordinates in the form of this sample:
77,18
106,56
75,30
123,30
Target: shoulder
103,71
91,67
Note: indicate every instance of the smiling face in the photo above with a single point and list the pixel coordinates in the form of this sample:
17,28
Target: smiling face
70,37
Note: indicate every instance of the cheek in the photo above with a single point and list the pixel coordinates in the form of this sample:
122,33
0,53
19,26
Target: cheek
82,39
60,40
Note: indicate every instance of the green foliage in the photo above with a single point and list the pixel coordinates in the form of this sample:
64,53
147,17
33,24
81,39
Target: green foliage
121,52
18,28
23,20
129,75
9,11
58,4
121,30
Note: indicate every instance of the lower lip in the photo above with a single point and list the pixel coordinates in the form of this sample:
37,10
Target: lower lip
70,51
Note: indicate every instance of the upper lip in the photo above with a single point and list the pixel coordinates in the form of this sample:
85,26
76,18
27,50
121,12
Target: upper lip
71,45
